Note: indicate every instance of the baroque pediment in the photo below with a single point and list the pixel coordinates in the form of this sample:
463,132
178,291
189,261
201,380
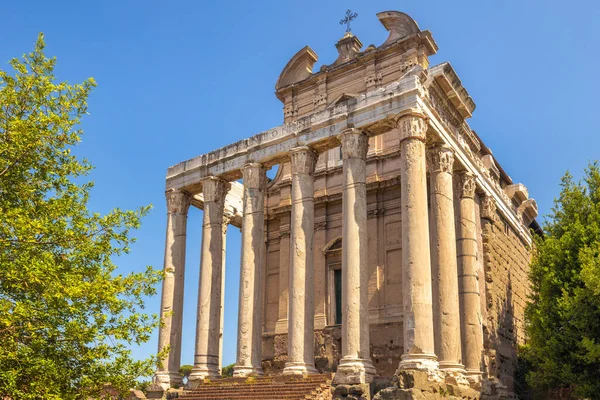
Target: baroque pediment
298,68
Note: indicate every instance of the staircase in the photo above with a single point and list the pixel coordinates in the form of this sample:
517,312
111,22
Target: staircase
316,387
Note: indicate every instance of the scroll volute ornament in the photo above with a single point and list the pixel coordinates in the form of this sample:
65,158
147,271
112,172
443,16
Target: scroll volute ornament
304,160
412,126
467,185
441,159
355,143
178,202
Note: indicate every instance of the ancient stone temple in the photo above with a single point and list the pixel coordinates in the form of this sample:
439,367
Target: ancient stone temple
390,248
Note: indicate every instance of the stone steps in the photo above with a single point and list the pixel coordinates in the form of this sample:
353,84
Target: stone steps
315,387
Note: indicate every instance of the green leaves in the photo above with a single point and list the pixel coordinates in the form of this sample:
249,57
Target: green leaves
564,313
66,317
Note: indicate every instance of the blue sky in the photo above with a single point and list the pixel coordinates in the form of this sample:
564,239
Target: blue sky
181,78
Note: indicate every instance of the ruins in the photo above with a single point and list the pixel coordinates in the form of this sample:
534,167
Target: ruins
390,243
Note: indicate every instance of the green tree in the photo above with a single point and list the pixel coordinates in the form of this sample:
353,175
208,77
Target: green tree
227,370
563,350
66,317
185,371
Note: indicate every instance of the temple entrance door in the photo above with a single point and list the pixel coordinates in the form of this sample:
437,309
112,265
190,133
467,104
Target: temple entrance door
337,283
333,255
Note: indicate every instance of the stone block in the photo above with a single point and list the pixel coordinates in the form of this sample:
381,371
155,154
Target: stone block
155,391
135,394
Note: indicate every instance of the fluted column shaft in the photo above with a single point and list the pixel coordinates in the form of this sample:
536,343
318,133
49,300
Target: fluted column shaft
446,315
301,314
171,309
470,305
416,262
248,361
356,365
208,322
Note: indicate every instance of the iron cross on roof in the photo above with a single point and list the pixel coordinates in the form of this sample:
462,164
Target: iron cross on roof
349,17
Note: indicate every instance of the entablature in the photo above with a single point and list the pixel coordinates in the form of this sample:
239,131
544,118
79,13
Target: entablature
435,93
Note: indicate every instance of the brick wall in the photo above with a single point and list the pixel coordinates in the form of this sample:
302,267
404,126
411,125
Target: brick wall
506,265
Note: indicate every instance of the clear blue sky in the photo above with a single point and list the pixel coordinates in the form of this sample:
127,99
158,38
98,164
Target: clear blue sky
180,78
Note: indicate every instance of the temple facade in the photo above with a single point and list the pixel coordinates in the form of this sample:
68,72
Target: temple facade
389,240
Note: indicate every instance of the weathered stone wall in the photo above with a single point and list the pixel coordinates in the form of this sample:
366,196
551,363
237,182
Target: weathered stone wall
506,265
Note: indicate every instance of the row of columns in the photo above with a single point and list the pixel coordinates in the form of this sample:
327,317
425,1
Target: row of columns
442,316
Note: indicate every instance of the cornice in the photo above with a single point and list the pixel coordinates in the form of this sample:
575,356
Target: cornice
473,164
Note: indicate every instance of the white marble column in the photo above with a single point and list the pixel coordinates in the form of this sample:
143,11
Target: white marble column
249,347
468,280
446,315
208,322
355,366
419,352
301,314
171,309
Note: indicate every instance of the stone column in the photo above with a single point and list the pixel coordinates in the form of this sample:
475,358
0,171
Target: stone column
355,366
301,314
208,322
470,306
249,342
226,220
416,262
171,309
446,315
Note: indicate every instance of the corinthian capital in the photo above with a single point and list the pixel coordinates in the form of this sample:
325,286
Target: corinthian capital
355,143
441,159
467,185
254,175
304,160
178,202
215,189
412,126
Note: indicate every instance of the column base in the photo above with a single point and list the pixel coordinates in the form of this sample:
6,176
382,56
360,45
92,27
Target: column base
202,372
246,370
352,371
421,362
454,373
474,377
167,380
299,368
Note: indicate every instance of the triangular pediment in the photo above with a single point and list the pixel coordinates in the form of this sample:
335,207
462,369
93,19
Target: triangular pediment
342,98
